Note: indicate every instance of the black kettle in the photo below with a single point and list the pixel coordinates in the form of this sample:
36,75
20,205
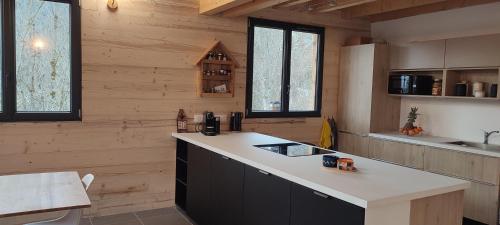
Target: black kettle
235,121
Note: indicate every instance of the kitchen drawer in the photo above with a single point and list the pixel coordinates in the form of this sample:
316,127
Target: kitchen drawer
464,165
312,207
396,152
481,203
353,144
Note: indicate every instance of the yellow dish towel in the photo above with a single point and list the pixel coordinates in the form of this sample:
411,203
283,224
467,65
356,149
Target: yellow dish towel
325,140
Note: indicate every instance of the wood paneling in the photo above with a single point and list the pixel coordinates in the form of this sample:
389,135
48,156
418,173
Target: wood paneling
211,7
137,73
382,10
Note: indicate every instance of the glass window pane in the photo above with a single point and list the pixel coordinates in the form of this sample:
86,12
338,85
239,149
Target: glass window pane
267,69
303,71
43,58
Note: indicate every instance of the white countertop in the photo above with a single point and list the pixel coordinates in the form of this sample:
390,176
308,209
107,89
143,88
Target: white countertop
432,141
374,184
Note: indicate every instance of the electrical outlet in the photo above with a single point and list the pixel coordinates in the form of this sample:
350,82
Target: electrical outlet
198,118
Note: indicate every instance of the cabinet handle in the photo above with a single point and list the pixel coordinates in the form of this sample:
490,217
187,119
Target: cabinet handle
226,158
321,195
263,172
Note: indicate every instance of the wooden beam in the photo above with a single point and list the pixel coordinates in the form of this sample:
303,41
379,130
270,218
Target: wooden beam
251,7
334,19
212,7
384,6
440,6
343,5
293,3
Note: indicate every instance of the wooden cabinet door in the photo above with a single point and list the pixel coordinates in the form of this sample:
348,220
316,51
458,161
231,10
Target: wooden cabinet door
464,165
353,144
312,207
266,198
198,185
420,55
398,153
356,79
481,203
226,190
482,51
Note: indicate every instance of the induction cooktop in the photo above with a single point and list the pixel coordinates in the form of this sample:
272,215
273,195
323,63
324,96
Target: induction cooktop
293,149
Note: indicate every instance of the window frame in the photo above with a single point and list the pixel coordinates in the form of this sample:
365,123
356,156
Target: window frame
287,28
8,76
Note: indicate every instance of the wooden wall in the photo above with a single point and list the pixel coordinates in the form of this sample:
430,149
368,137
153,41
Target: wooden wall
137,73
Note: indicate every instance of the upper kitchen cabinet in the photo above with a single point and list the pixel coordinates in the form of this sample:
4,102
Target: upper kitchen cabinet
481,51
418,55
364,105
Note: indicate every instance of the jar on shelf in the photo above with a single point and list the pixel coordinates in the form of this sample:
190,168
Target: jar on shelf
437,87
220,56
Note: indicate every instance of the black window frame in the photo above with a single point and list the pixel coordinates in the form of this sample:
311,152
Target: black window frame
8,76
288,28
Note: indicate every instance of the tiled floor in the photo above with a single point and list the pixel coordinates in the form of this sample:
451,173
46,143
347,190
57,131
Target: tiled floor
166,216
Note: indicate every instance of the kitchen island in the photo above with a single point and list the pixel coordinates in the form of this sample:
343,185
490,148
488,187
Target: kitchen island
226,180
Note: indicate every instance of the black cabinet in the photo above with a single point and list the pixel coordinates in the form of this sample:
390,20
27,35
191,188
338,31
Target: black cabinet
266,199
198,188
312,207
216,190
226,190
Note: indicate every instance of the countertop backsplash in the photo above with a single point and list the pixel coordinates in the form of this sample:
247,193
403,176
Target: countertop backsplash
458,119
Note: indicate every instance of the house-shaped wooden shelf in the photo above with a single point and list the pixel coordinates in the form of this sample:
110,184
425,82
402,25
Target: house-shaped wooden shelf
216,71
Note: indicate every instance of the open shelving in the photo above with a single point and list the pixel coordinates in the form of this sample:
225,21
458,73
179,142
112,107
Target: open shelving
451,76
220,72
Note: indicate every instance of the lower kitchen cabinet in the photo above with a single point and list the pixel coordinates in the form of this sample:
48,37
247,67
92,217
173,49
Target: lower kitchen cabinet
266,198
396,152
312,207
353,144
198,189
226,190
481,201
475,167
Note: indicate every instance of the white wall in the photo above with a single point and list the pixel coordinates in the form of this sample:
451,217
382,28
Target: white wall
448,118
455,118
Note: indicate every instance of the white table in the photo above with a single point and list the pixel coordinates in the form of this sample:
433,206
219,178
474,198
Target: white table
42,192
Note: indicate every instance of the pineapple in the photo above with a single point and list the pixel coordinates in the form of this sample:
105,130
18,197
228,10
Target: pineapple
410,128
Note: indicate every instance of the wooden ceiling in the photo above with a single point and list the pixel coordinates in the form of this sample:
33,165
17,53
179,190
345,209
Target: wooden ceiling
372,10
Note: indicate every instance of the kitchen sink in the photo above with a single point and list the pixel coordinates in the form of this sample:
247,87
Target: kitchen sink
476,145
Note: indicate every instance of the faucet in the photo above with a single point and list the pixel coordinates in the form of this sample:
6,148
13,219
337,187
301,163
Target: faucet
488,134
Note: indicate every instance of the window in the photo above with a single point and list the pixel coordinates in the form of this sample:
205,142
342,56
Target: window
284,69
41,66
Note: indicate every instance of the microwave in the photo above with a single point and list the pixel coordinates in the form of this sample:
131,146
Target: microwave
409,84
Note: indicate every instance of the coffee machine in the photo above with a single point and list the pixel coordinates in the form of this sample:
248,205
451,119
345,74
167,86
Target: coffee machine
211,125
